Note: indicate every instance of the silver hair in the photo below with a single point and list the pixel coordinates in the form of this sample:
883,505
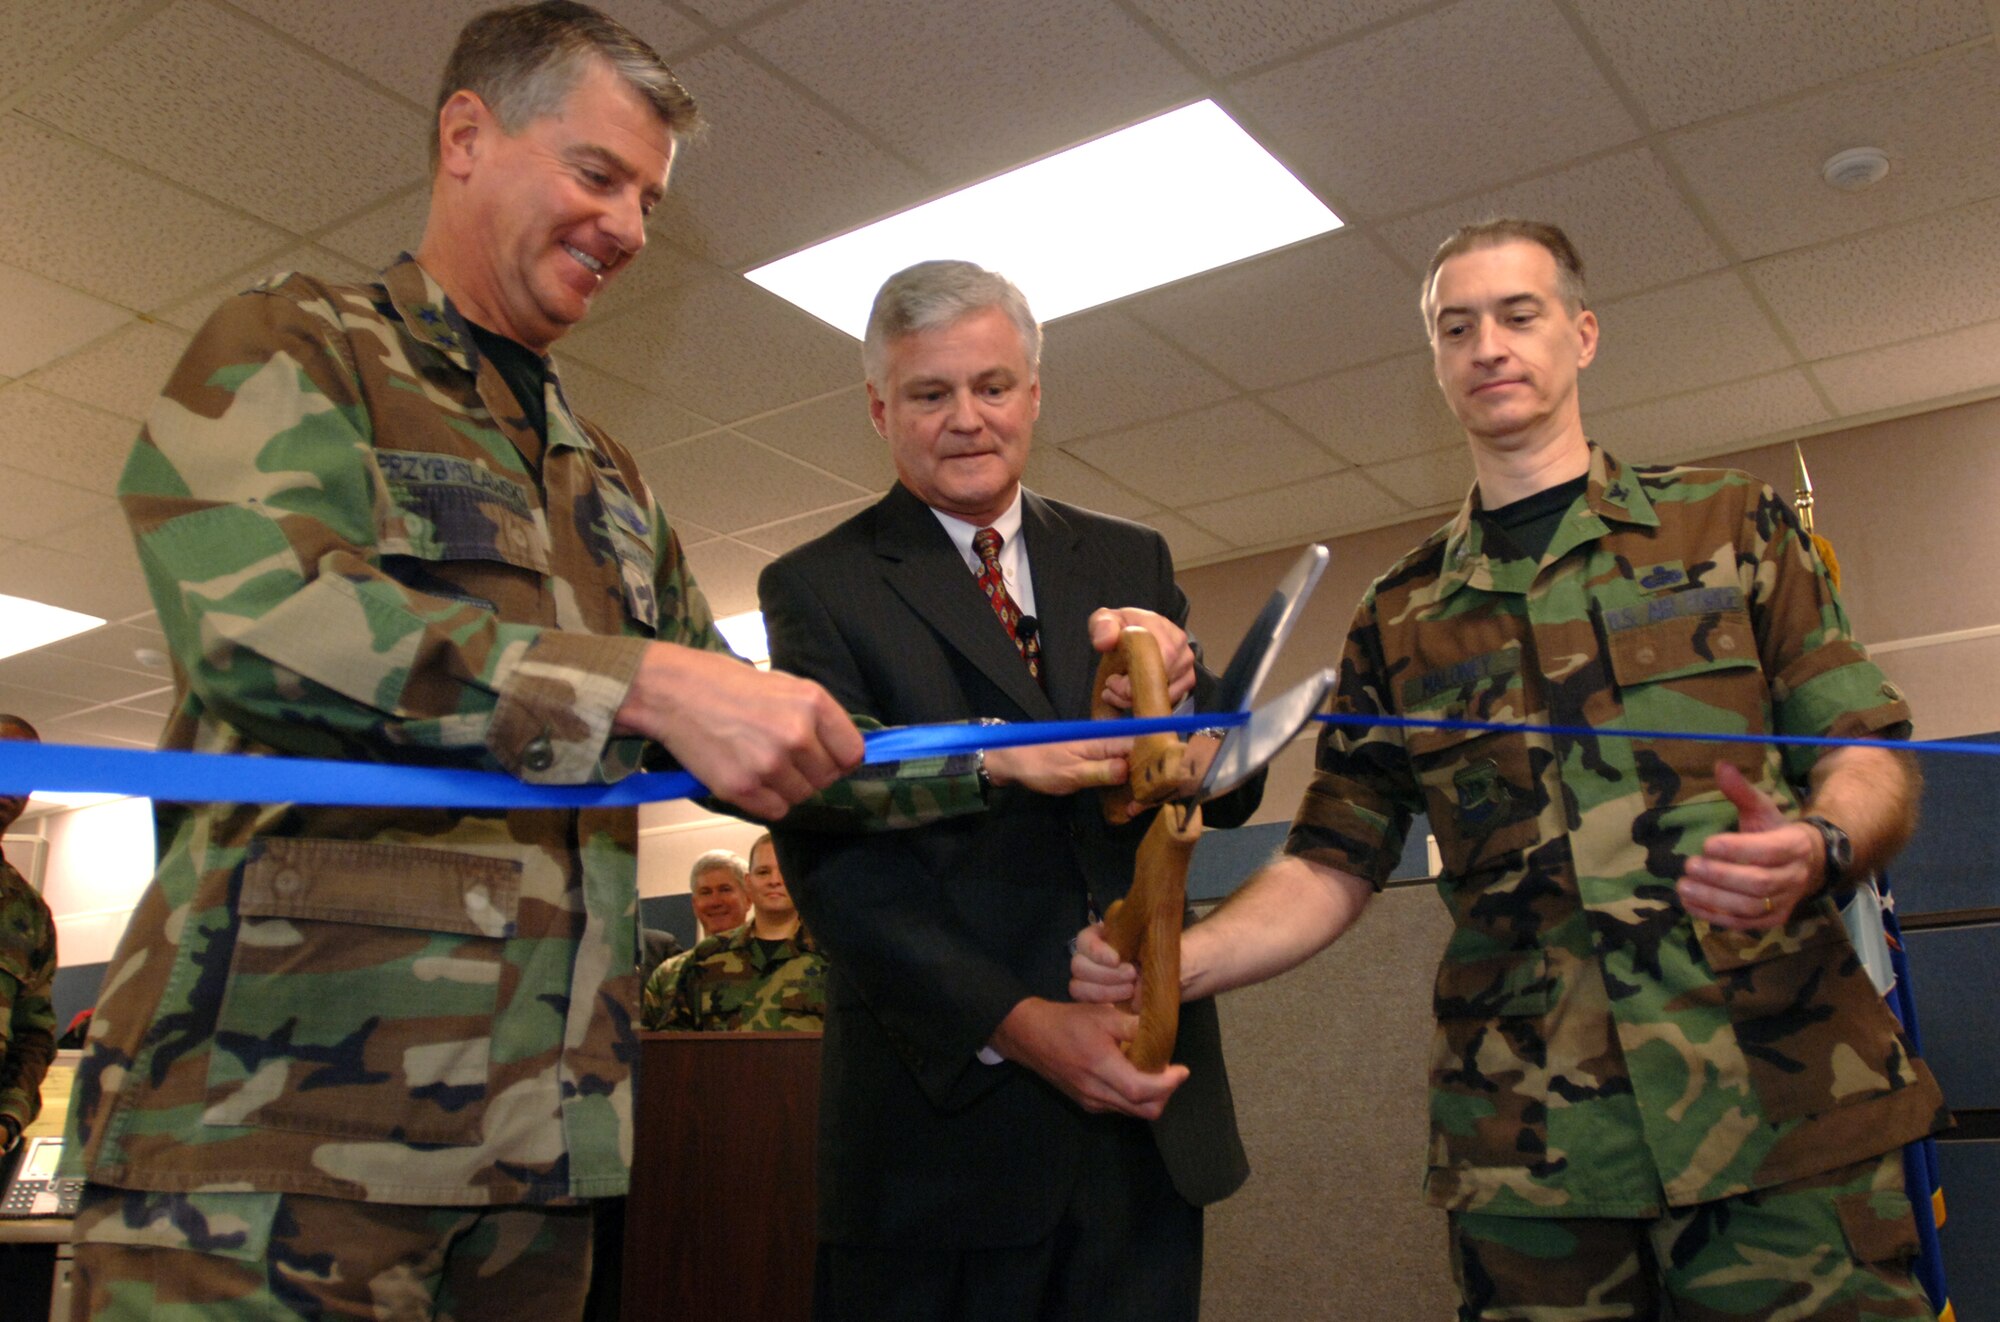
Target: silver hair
718,860
937,293
524,61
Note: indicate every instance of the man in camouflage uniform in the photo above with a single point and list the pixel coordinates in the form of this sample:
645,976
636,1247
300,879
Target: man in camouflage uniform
1661,1080
27,969
765,976
716,892
381,1059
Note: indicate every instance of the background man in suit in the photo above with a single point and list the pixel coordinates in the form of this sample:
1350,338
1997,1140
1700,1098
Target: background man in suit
983,1151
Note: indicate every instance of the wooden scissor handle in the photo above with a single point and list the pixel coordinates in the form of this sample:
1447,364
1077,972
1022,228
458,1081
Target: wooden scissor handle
1156,766
1145,926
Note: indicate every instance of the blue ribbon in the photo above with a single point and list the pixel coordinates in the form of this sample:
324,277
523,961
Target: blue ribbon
179,777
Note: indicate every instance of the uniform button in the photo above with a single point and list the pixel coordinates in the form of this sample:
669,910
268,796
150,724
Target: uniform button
288,882
538,755
1727,642
1646,656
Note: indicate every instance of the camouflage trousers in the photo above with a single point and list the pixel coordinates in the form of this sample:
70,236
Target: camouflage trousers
1834,1247
275,1257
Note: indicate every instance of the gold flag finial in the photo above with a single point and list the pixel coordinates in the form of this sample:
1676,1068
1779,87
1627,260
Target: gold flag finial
1802,492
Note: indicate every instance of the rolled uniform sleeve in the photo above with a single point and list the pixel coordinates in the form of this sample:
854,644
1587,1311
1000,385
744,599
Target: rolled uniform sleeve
1357,808
1821,680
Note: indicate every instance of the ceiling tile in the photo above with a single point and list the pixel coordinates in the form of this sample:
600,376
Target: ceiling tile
73,215
1696,58
720,347
1936,367
832,433
1435,480
158,704
728,482
1894,284
969,90
121,373
780,537
40,709
662,267
1699,333
35,38
404,46
220,105
735,193
107,726
1758,174
114,646
1371,414
190,313
1102,370
727,13
102,538
1056,475
33,507
727,572
1325,113
45,671
1622,211
394,225
1330,303
1189,544
636,419
1300,512
1707,423
1229,36
73,582
46,320
81,446
1221,451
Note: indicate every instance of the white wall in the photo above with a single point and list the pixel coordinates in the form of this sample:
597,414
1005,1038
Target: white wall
99,860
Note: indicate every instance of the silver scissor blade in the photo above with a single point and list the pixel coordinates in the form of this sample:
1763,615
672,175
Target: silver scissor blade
1247,747
1255,655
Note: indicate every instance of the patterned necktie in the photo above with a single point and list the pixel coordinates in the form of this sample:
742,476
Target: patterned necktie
994,584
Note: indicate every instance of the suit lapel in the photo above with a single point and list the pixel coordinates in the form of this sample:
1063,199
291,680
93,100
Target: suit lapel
1062,605
923,567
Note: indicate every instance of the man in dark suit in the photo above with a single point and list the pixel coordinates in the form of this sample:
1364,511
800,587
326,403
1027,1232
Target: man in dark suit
986,1152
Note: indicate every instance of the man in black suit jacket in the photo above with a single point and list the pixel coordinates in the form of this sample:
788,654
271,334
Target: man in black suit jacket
985,1149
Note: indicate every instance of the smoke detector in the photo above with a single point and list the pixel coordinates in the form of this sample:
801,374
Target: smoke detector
1856,168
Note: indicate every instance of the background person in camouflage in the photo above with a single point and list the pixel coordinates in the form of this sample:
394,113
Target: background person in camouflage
27,970
765,976
1661,1081
374,529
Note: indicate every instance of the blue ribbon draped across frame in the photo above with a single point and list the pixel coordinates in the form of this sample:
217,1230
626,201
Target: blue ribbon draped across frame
233,778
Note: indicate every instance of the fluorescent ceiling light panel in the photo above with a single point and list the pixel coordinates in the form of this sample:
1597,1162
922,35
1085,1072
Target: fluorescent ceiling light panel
26,625
1182,193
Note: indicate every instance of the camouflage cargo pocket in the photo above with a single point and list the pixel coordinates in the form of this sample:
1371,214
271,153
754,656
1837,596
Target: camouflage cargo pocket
1491,1016
1482,798
362,991
1784,991
1694,672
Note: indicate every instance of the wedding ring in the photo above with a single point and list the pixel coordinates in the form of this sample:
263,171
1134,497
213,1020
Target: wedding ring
1768,906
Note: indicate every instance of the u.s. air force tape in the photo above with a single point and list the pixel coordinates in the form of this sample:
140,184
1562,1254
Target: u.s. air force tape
236,778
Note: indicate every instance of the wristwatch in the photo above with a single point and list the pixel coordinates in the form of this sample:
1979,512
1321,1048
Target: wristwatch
1839,850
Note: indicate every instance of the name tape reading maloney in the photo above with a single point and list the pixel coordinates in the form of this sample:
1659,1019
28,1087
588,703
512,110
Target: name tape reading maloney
180,777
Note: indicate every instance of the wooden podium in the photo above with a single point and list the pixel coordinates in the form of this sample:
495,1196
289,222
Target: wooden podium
719,1224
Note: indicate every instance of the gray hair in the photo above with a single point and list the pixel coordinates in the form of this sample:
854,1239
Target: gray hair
524,61
717,860
1510,229
937,293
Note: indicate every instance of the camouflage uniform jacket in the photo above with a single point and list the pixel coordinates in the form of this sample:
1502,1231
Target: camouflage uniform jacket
727,984
1597,1051
360,549
27,1015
